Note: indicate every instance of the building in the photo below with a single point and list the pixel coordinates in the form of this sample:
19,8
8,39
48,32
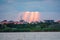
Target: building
22,21
49,21
58,21
4,22
16,22
10,22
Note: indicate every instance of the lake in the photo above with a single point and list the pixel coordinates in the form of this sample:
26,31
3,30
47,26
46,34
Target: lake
30,36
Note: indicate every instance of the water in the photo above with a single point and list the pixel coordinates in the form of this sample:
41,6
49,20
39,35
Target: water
30,36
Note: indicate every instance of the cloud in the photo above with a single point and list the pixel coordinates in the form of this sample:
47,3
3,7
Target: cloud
50,16
41,6
13,7
10,1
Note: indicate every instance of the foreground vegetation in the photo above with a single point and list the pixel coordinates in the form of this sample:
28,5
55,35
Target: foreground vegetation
39,27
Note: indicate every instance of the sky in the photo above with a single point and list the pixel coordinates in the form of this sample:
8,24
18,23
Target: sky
11,9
